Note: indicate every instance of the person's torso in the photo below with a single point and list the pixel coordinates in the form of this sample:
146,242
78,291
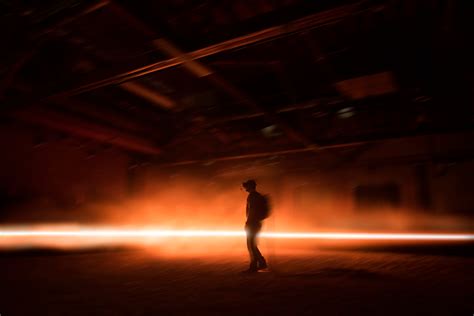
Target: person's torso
254,201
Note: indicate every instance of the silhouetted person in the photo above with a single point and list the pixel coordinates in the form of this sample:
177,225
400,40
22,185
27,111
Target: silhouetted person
257,211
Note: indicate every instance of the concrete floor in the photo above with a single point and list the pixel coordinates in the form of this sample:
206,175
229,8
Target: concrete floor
393,280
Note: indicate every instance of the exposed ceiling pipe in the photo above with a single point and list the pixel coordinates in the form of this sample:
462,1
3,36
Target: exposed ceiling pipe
58,121
309,22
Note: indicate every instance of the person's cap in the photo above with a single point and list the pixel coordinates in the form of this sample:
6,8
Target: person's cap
249,184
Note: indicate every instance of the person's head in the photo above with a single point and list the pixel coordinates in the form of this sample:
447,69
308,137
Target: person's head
250,185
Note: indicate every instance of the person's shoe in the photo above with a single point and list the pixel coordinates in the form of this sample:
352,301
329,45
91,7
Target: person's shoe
252,268
250,271
262,266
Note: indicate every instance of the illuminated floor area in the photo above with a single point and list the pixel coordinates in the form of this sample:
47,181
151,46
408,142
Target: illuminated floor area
381,279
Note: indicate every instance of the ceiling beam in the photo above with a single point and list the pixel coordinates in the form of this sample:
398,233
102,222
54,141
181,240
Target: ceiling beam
200,70
90,8
306,23
149,94
261,154
366,143
71,125
105,114
135,88
24,57
290,108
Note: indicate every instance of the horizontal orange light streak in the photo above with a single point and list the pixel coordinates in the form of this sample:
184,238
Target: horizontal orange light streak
121,233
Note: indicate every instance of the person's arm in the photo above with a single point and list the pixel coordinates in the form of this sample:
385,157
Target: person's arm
247,209
247,212
251,205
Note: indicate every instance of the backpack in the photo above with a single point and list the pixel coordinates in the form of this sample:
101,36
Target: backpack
264,207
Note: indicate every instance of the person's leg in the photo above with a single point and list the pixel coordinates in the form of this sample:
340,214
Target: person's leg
258,260
251,248
262,264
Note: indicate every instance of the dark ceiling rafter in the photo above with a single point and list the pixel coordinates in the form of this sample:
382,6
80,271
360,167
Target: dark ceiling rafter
321,60
97,5
375,115
149,94
286,109
361,144
15,68
104,114
87,129
41,37
55,120
200,70
306,23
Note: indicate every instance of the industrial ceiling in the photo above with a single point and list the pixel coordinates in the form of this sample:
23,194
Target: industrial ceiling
193,80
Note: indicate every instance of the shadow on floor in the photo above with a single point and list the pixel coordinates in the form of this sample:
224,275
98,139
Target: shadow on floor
40,252
457,250
336,272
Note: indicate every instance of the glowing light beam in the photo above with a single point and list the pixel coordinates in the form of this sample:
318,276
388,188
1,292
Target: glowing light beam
156,233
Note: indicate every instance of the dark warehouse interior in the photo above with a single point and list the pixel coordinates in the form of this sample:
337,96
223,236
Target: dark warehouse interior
353,117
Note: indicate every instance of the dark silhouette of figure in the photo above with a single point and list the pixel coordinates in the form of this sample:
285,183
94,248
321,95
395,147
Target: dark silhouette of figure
253,225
